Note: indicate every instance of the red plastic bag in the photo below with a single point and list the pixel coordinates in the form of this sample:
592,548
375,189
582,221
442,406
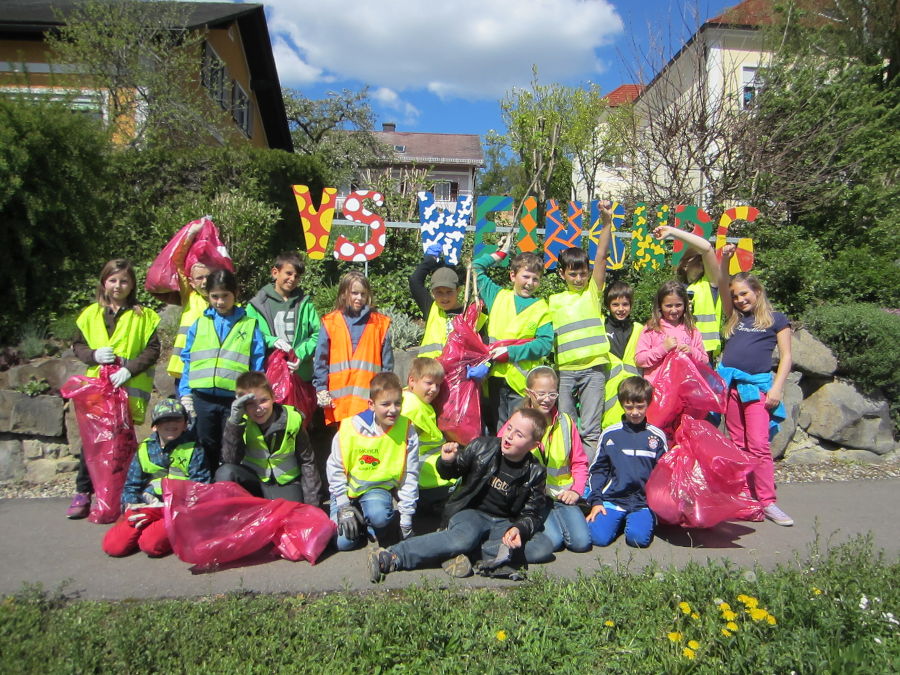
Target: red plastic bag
289,388
206,247
699,481
211,525
107,438
684,388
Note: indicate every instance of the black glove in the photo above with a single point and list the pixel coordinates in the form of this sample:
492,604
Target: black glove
350,520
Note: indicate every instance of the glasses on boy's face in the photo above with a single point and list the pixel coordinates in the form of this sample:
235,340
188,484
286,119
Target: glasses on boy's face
544,395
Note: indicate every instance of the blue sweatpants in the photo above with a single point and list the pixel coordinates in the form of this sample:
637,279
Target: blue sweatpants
638,526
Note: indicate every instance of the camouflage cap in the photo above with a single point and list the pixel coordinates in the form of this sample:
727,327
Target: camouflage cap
166,409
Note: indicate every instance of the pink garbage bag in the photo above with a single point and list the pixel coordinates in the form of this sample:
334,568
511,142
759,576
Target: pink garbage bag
699,482
107,438
289,388
459,401
211,525
684,388
206,247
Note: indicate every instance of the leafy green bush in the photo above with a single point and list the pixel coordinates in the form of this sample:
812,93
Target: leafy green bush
866,340
405,332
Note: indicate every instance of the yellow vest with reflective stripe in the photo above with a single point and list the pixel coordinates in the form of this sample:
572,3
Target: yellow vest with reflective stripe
131,335
436,330
618,370
217,365
505,324
431,439
281,463
373,461
193,309
578,328
179,465
555,453
707,315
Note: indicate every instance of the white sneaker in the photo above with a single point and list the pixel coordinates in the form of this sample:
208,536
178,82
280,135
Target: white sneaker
777,516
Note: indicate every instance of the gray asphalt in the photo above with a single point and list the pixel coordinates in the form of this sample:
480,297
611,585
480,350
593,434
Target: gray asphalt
40,546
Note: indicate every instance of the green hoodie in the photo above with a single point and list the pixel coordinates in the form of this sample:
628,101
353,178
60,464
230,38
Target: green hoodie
294,319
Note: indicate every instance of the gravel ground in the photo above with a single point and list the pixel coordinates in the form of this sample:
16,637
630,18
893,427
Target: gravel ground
784,473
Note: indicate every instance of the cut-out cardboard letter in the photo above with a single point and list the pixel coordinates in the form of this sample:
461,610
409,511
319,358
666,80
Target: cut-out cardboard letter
484,205
440,226
316,223
559,235
344,249
742,260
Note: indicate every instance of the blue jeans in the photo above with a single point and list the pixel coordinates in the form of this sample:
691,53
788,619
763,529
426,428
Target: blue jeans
638,526
565,524
211,411
377,507
466,530
582,394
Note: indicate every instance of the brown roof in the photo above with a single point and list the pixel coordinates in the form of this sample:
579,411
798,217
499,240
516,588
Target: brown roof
435,148
746,13
624,93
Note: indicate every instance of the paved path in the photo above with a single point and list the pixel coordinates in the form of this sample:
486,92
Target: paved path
40,545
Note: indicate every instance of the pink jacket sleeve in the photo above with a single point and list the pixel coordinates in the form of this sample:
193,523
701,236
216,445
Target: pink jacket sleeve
650,348
578,463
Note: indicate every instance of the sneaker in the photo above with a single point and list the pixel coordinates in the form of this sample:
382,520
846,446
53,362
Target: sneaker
381,562
80,506
459,567
777,516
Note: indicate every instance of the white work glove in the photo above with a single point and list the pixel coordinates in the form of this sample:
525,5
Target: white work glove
120,377
237,408
104,355
406,527
282,344
188,402
506,244
323,398
293,365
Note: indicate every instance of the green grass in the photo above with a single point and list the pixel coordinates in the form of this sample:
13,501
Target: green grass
614,621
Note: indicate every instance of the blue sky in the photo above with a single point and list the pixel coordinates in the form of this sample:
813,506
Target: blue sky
444,69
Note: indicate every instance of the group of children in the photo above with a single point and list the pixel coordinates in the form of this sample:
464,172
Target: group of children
567,449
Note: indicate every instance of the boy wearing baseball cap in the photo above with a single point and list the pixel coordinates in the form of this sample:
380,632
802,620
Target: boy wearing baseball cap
171,451
440,305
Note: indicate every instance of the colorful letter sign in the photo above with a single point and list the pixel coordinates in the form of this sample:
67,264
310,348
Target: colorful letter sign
440,226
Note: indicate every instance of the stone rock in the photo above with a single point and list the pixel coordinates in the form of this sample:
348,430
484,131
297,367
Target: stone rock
35,449
859,456
809,455
55,370
810,356
73,434
162,381
402,363
67,465
12,464
33,416
32,449
840,414
793,397
40,470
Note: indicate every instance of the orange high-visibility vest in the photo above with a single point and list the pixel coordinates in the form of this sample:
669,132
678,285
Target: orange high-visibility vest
349,371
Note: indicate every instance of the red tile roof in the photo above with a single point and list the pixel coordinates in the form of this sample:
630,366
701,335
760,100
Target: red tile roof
435,148
624,93
746,13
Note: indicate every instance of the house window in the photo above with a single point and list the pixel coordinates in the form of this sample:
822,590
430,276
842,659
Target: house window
399,148
446,190
240,107
84,101
214,76
749,87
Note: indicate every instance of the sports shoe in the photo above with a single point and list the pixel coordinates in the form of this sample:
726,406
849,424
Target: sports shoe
458,567
381,562
777,516
80,506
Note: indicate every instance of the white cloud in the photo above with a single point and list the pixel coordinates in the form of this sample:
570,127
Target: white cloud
474,49
391,100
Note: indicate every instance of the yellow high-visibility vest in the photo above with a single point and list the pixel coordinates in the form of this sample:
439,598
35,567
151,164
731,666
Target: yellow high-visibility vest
194,307
555,454
431,439
373,461
215,364
281,463
707,315
179,465
618,370
578,329
505,324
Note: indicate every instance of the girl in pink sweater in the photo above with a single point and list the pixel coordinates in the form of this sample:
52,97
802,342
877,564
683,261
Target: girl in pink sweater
671,326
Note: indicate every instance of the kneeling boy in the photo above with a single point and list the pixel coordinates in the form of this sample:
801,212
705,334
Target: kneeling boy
627,453
171,451
265,449
374,453
498,502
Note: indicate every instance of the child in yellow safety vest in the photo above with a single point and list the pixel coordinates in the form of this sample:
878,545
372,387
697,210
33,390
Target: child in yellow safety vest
561,452
374,454
265,449
622,332
580,336
423,385
115,330
440,305
513,314
220,345
699,270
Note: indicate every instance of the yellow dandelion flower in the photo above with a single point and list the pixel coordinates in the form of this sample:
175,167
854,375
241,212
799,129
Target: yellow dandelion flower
684,607
751,603
674,636
726,632
743,598
732,626
500,635
816,591
758,614
695,616
689,653
771,620
725,607
728,615
609,623
693,644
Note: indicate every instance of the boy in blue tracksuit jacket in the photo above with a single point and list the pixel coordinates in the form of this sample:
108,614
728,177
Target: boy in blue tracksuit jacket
626,455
